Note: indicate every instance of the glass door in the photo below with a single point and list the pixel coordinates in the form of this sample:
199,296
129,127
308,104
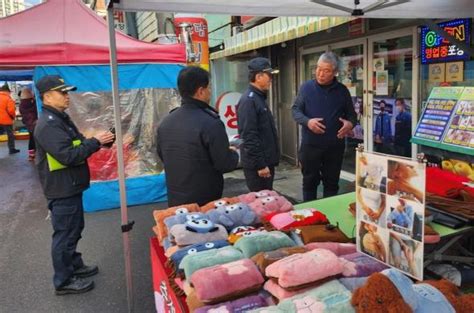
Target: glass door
390,93
353,76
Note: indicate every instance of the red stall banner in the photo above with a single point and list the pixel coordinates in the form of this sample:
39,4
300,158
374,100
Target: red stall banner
166,300
199,37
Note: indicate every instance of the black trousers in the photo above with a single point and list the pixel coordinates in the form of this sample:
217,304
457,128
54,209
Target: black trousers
31,141
320,163
11,136
257,183
67,218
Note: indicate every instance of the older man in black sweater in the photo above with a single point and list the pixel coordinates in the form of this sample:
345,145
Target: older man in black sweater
325,111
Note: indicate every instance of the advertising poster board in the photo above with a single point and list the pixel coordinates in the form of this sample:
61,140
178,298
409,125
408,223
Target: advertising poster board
461,126
390,214
446,122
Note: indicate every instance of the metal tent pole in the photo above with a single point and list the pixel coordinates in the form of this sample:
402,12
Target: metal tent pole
126,225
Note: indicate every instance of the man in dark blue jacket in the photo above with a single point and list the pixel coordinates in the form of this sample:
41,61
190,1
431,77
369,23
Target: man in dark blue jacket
193,144
61,158
325,111
259,150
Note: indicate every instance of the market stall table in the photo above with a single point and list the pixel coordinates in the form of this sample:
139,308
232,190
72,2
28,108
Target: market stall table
336,210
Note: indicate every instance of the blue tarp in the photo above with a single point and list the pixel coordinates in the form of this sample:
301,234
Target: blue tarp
105,195
16,75
144,189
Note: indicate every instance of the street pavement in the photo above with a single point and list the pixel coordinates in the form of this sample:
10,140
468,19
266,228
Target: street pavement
25,239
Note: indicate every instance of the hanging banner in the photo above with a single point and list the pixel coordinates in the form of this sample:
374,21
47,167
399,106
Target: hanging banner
390,211
199,37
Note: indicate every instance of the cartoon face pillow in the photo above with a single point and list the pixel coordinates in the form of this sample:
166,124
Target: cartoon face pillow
200,225
197,231
252,196
178,256
231,216
182,216
267,205
218,203
160,216
244,231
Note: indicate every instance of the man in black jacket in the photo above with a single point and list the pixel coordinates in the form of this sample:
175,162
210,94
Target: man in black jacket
325,111
193,144
259,150
61,158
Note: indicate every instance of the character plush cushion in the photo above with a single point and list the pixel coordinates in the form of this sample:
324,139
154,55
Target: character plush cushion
243,231
303,268
336,247
237,306
218,203
321,233
268,205
392,291
364,265
182,218
197,232
233,215
264,259
178,256
160,216
195,261
252,196
262,242
331,297
226,281
303,217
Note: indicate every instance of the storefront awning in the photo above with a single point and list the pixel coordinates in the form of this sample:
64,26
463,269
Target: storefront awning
276,31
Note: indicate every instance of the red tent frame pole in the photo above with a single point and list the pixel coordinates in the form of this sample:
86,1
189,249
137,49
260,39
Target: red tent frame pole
126,225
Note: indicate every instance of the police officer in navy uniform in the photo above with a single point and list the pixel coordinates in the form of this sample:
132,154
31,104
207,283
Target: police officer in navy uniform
260,151
61,158
193,144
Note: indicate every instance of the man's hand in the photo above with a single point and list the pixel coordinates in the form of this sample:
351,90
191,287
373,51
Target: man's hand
345,129
105,137
316,125
264,173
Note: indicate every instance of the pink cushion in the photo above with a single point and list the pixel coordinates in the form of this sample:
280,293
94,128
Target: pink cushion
281,293
215,283
267,205
295,218
252,196
335,247
304,268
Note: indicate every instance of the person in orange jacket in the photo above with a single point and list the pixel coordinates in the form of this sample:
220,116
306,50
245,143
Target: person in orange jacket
7,116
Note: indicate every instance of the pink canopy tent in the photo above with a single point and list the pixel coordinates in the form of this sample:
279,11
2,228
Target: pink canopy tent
63,32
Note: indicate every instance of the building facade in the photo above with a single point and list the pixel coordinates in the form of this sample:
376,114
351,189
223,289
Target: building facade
380,62
9,7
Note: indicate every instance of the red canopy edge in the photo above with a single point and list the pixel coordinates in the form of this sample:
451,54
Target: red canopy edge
68,32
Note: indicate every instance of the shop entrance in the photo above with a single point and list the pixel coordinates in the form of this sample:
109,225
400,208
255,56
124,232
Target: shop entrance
386,61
